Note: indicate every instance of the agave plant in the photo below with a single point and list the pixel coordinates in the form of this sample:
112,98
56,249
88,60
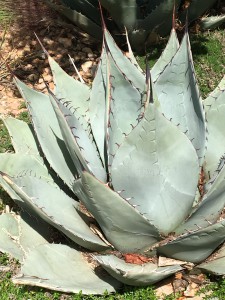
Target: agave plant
115,168
142,18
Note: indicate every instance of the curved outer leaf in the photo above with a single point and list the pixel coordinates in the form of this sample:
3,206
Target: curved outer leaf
61,268
16,164
9,229
210,207
215,97
166,57
216,263
137,275
215,110
212,22
123,226
197,246
15,234
71,91
82,149
125,108
147,171
130,53
131,72
78,19
97,105
56,208
48,132
179,97
22,136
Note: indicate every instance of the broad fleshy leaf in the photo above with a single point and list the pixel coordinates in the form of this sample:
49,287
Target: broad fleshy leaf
197,246
22,136
166,57
71,91
216,263
137,275
16,231
123,226
211,206
81,147
179,97
215,110
147,172
56,208
48,132
61,268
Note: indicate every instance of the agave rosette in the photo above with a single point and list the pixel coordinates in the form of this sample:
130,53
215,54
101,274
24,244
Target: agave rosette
115,168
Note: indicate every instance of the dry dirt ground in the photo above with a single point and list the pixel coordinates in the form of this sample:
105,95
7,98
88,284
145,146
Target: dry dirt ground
23,54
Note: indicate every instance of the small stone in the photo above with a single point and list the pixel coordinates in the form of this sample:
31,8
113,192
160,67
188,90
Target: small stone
47,71
19,53
51,85
28,67
65,42
87,50
48,41
86,66
36,61
81,55
90,55
48,78
20,44
33,43
41,86
26,49
59,56
32,77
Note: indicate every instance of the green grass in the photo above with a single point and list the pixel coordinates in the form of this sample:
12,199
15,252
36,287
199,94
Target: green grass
5,143
8,289
6,13
209,62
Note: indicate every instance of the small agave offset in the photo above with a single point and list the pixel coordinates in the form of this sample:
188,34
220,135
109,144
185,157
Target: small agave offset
116,170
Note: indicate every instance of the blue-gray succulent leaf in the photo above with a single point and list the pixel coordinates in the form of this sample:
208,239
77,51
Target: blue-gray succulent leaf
22,136
215,109
166,56
71,91
48,132
215,263
132,274
16,231
56,208
179,97
209,209
62,268
81,147
125,228
148,173
195,247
